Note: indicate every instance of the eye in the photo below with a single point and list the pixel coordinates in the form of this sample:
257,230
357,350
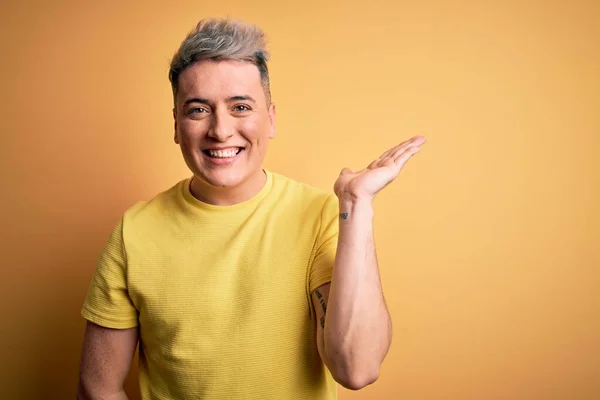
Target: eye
196,110
241,108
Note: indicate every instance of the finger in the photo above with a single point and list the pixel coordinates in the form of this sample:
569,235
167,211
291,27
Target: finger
386,156
389,151
404,156
346,171
394,151
377,162
374,164
395,148
416,141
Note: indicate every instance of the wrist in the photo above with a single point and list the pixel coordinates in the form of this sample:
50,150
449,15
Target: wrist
355,206
353,197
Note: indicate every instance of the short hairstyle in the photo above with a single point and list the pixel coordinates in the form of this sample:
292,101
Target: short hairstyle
222,39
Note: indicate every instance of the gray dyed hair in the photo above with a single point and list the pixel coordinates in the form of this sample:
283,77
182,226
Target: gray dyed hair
222,39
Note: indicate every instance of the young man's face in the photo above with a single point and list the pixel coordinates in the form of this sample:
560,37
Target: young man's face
223,122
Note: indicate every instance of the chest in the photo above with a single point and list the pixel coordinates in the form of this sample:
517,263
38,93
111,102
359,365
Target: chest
217,278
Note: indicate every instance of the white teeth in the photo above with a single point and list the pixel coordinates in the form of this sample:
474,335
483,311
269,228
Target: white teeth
223,153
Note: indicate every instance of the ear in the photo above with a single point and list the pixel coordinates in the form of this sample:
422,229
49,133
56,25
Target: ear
175,138
272,121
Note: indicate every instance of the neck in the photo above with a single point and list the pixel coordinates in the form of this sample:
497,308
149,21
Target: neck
228,196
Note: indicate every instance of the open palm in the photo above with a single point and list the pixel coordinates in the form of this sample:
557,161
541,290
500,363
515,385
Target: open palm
367,182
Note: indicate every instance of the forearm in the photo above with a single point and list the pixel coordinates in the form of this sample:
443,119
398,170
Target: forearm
357,330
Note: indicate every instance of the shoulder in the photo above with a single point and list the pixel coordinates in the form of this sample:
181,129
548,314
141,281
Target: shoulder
167,202
303,207
293,192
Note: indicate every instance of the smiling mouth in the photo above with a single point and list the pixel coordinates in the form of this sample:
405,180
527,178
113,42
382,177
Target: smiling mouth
228,153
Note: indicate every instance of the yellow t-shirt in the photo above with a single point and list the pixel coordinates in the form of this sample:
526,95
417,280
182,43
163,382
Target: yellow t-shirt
222,294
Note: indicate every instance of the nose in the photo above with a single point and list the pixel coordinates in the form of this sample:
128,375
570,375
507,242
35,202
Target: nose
221,128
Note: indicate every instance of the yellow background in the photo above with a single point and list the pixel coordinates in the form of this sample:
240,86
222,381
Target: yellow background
488,242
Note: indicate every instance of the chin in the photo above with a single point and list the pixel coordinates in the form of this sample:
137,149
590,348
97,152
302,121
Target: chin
221,179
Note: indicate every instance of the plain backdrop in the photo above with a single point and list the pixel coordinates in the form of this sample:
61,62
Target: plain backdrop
488,241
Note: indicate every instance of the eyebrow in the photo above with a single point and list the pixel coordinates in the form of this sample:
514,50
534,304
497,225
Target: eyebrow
195,100
241,98
229,100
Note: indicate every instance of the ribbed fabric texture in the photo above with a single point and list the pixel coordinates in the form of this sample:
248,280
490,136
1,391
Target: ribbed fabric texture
222,294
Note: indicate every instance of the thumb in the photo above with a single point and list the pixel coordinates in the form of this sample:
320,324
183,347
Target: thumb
346,171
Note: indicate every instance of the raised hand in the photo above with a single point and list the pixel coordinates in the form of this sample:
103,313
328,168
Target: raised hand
366,183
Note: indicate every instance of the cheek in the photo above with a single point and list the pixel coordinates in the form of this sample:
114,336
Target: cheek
256,132
190,133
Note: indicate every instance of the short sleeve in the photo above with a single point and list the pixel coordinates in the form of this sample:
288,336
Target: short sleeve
326,246
107,302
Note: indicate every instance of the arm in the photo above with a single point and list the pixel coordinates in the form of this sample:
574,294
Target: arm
105,362
355,334
354,327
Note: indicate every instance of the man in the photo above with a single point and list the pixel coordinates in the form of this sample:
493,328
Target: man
239,283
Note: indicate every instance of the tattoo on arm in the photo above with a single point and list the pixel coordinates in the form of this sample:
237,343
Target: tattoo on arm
344,215
323,305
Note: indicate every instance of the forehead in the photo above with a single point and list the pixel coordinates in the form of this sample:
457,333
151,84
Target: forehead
217,80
